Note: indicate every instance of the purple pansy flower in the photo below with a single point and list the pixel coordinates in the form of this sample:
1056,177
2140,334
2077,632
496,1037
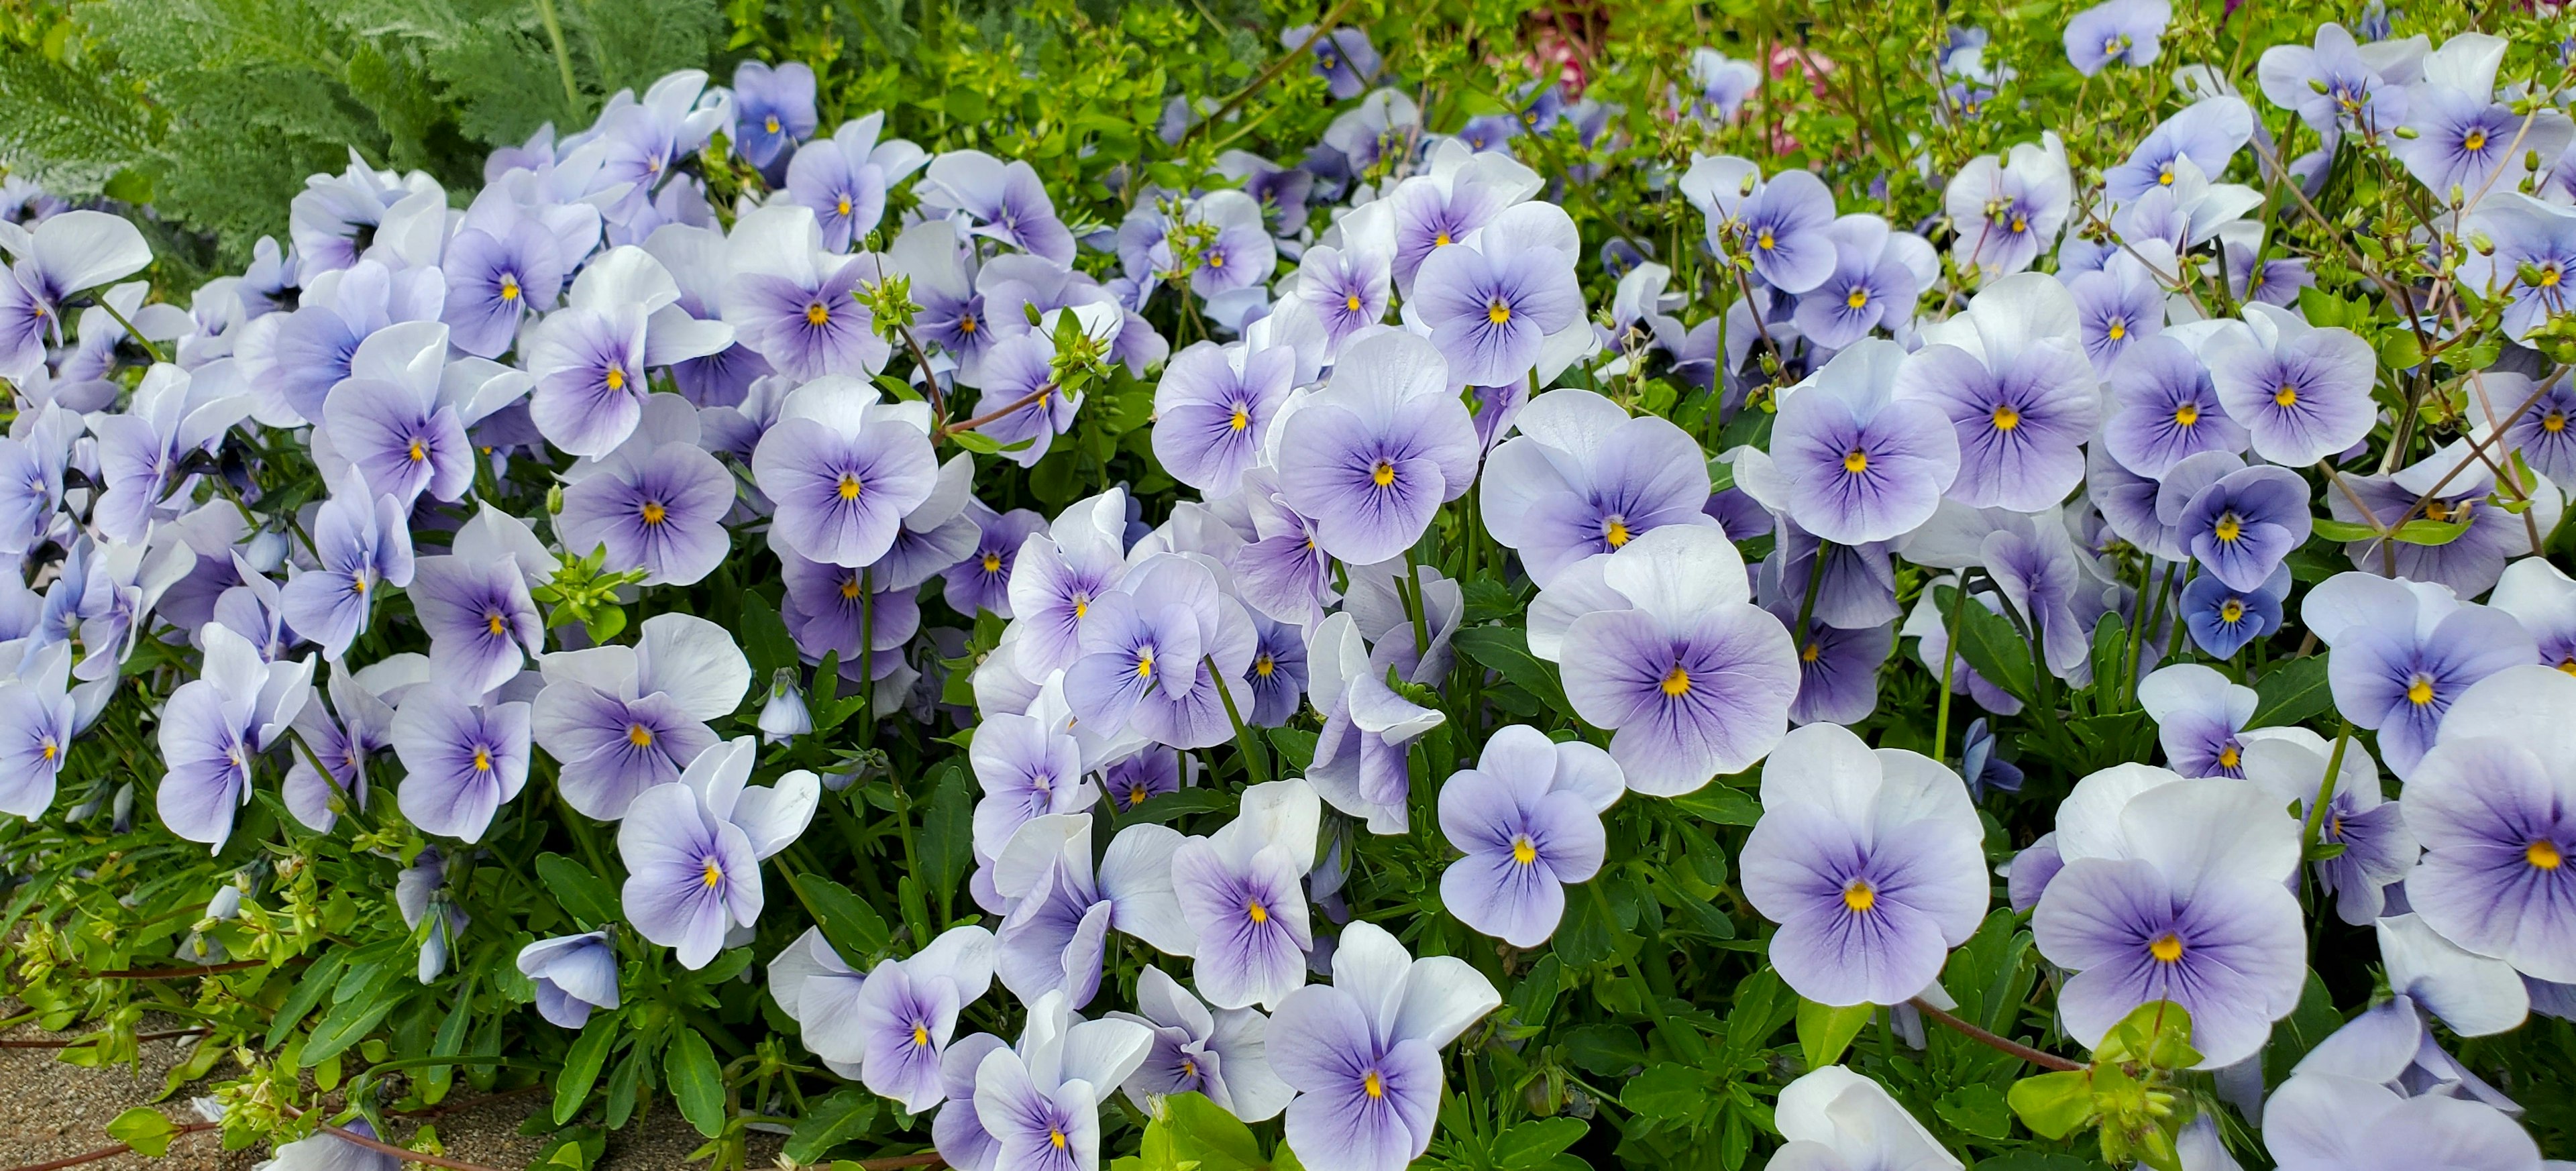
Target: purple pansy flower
1213,411
2494,802
461,760
2337,83
773,110
982,579
2209,132
1834,1118
64,254
2008,210
1528,817
2199,717
2540,596
1583,478
2404,652
1004,202
2167,409
1027,770
621,720
2244,526
1363,1053
842,469
363,541
215,724
797,306
2378,845
2020,396
2455,488
1221,1053
2302,393
2127,31
1850,461
1056,930
2522,232
573,974
657,503
693,849
591,359
1494,305
2223,620
843,179
1876,276
1154,654
906,1013
1038,1104
1241,892
1372,456
1359,764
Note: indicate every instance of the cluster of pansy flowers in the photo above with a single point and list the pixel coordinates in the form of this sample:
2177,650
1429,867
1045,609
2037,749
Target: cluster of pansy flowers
2078,443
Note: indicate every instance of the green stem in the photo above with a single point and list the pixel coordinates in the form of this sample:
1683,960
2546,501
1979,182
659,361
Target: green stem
1256,763
150,350
1815,582
1949,660
2325,787
563,57
1410,589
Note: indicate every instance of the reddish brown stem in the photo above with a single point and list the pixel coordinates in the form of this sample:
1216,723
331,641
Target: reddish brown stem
2003,1044
980,420
174,973
185,1129
161,1036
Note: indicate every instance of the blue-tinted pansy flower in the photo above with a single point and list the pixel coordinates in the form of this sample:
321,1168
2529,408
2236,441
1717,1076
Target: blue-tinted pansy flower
2274,279
1222,1053
1489,132
1027,770
502,265
2494,802
1277,675
62,255
1661,643
2404,652
1359,764
2007,210
461,760
1983,768
2199,715
620,719
2540,596
401,415
2378,846
2470,561
657,503
475,604
1583,477
573,974
2530,257
842,469
2175,890
2222,620
1837,666
2020,397
693,849
1060,574
2166,409
1363,1053
1241,889
2458,136
592,358
1004,202
1154,654
2327,1121
1835,1119
843,179
2393,1043
32,462
1850,461
2127,31
1723,81
2338,84
2116,307
1372,456
796,305
363,542
903,1017
2209,132
1038,1103
1426,213
170,416
2301,392
1142,776
1868,861
1859,589
1240,254
1783,229
1344,289
340,737
834,609
2244,526
1507,303
38,719
773,110
1055,933
310,347
1528,818
213,727
1019,386
982,579
1344,58
324,1151
643,141
1876,276
1213,411
2541,432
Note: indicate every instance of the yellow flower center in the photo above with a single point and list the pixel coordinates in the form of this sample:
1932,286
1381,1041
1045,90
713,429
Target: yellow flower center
639,735
2186,414
1677,681
1857,297
966,324
653,512
2476,140
1384,476
482,760
1263,665
495,623
615,379
1441,240
770,124
1254,911
1856,461
2287,396
1239,421
843,206
2230,528
2006,418
1498,313
2167,949
1523,852
1764,241
1189,1068
2228,756
358,582
2420,692
1216,260
920,1036
2020,224
2232,612
1860,896
992,563
1081,605
849,589
713,875
2543,854
419,451
2554,422
849,486
51,751
1811,652
1136,795
1351,303
509,288
1373,1085
1614,532
2568,665
816,314
1145,665
2119,329
1056,1137
2164,178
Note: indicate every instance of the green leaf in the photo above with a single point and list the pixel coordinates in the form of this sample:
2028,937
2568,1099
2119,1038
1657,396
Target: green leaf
145,1129
2293,1036
1505,651
696,1081
2427,531
1824,1030
2054,1105
1977,1109
309,991
849,924
1990,643
1204,1133
1296,747
1667,1091
582,894
1532,1145
2291,691
2343,530
975,441
948,829
2157,1033
1720,803
581,1064
765,640
1611,1051
830,1122
1179,803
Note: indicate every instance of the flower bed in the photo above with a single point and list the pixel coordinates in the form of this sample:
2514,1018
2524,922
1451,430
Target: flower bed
1622,619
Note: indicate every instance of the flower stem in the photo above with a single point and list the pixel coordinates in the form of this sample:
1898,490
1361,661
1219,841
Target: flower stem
2325,787
1255,762
563,58
2036,1057
1949,660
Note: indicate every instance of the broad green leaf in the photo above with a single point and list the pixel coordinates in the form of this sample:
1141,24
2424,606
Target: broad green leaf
1204,1133
1533,1145
2427,531
2157,1033
316,983
696,1081
1505,651
1977,1109
587,897
2054,1105
765,640
1720,803
1989,642
1667,1091
1824,1031
2291,691
948,829
829,1122
849,924
2344,530
145,1129
581,1064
